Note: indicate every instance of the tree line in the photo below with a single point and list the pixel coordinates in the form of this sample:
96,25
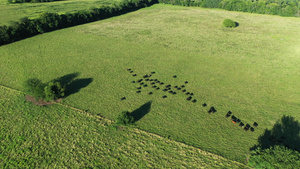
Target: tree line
47,22
31,1
272,7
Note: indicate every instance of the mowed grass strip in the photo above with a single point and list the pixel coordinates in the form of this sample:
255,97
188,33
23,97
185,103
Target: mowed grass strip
55,136
251,70
14,12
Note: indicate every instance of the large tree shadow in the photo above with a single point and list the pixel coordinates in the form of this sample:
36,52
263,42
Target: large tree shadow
71,84
141,111
286,131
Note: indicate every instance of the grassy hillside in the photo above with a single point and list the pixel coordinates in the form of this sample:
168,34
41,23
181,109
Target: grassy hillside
251,70
59,137
14,12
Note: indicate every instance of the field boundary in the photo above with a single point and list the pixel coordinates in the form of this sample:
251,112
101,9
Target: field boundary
105,122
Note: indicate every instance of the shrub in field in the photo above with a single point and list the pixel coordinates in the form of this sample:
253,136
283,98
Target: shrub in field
35,87
124,118
44,91
53,90
229,23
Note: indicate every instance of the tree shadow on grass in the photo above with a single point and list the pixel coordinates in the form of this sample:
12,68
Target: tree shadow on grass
71,84
286,132
141,111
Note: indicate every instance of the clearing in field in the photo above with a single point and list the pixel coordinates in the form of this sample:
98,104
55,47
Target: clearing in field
251,71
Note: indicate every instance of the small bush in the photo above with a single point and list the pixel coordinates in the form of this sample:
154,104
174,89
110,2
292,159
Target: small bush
53,91
44,91
229,23
35,87
124,118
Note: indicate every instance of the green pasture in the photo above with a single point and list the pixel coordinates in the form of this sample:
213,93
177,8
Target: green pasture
59,137
252,70
14,12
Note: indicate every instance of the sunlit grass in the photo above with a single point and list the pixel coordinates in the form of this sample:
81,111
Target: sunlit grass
59,137
251,70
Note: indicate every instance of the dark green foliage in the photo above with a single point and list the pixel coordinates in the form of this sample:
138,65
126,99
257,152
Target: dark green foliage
124,118
31,1
282,8
275,157
44,91
35,87
53,91
229,23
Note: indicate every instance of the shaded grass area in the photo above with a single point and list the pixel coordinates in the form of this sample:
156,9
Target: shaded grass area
251,70
14,12
56,136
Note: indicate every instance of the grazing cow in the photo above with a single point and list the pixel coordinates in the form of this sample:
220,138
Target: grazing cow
241,124
189,98
182,86
204,104
164,96
228,114
157,88
134,75
138,91
255,124
150,93
212,110
174,76
145,85
186,82
133,82
123,98
194,101
128,69
183,90
138,87
187,93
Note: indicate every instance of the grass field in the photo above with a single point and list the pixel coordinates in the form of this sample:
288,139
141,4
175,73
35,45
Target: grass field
59,137
14,12
251,70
